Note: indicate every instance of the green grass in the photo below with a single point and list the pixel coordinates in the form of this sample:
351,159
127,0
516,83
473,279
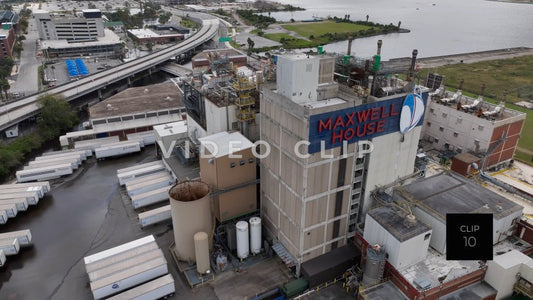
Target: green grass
321,28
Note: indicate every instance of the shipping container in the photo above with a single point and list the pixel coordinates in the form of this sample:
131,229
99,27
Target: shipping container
10,208
155,289
45,173
151,197
149,185
155,216
118,249
2,258
120,257
44,184
21,203
128,278
31,197
131,175
117,149
158,175
23,236
14,188
10,247
141,166
125,264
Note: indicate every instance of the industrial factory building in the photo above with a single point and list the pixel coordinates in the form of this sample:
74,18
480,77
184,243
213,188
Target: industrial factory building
311,203
463,124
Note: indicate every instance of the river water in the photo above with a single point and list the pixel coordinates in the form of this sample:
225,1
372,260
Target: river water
438,27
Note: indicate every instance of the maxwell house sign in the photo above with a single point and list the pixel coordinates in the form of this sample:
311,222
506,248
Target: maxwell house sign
366,121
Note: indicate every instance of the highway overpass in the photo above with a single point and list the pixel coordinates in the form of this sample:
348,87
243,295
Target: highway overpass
15,112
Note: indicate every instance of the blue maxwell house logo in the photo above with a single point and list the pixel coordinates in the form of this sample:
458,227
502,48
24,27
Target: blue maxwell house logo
412,111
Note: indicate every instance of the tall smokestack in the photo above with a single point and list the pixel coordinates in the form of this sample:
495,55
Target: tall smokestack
350,40
380,42
413,64
483,86
461,84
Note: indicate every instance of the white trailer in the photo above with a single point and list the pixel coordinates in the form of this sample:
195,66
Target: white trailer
149,185
95,143
97,265
14,188
10,208
118,249
31,197
151,197
141,166
155,289
148,137
59,158
158,175
44,184
23,236
45,163
10,247
155,216
2,258
3,216
128,278
87,152
131,175
118,149
21,203
125,264
45,173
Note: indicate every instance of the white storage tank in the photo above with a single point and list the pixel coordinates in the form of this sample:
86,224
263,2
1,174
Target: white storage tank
191,213
243,248
201,247
255,235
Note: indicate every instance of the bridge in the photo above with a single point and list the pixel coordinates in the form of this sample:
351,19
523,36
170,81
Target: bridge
18,111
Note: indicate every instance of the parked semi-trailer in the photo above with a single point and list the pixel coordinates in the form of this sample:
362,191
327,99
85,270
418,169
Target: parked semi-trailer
31,197
131,175
137,274
45,173
125,264
44,184
58,158
151,197
102,263
150,185
86,152
95,143
117,149
136,167
2,258
3,216
148,137
159,288
10,246
118,249
10,209
21,203
14,188
45,163
154,216
23,236
161,174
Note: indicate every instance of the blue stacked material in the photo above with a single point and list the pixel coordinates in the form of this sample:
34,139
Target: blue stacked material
81,67
71,68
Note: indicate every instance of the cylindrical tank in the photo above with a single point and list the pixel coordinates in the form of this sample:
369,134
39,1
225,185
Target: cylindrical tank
375,264
255,235
201,249
243,248
191,213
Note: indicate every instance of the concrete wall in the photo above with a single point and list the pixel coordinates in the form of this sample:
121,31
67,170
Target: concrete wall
502,271
438,236
502,228
297,77
217,118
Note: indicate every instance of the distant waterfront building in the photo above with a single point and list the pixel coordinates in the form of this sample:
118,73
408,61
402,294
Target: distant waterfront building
313,204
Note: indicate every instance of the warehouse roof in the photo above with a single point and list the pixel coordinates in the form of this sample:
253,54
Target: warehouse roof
395,224
452,193
138,99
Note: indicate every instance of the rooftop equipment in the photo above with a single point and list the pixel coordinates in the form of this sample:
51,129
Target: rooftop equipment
243,249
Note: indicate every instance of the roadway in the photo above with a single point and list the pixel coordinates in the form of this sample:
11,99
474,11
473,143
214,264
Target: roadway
15,112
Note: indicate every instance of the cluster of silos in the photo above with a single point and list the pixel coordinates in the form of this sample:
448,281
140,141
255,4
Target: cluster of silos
248,237
192,222
375,264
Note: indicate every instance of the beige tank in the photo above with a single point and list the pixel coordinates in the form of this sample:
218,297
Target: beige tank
191,213
201,247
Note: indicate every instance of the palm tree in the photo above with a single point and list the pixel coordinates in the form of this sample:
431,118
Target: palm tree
4,85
